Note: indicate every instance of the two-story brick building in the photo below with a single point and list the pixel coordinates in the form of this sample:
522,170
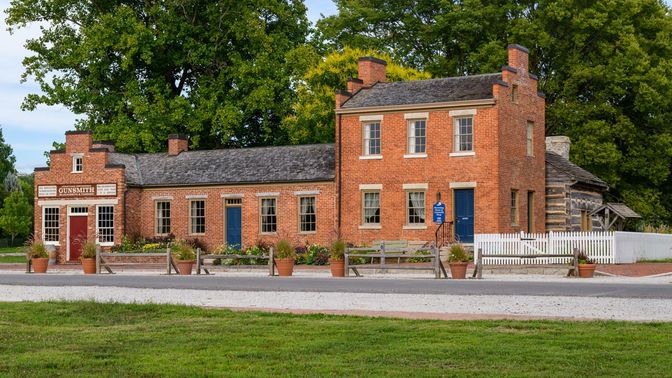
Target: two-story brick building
477,141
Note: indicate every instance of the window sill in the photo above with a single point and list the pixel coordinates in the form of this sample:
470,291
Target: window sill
415,156
197,234
415,227
268,233
106,244
57,244
77,172
370,227
462,153
371,157
307,232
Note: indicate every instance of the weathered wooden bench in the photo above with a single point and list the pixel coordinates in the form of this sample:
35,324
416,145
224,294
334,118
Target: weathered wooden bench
201,258
384,252
527,258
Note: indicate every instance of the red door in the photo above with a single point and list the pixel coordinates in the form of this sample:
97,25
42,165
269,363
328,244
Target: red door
77,236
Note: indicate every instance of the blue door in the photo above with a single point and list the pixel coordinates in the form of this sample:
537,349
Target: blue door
464,215
233,227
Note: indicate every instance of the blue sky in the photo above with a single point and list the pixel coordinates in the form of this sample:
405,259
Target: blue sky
31,133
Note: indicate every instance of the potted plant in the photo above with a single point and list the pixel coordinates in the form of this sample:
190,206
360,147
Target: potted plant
88,257
284,258
336,260
37,254
586,265
458,259
185,256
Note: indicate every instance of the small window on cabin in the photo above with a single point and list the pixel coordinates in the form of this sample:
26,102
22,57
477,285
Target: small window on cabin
77,164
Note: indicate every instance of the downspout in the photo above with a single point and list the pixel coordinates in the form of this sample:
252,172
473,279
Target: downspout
123,231
340,158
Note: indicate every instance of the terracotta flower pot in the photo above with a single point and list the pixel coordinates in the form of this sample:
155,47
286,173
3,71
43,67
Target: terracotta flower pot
337,267
40,264
285,266
458,270
587,270
89,265
185,266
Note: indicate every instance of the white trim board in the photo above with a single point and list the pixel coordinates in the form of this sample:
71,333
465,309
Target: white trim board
77,202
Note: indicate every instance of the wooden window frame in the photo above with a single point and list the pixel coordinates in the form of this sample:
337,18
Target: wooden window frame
363,207
457,135
366,139
193,217
514,215
300,220
56,240
107,242
408,207
411,136
261,216
529,139
157,218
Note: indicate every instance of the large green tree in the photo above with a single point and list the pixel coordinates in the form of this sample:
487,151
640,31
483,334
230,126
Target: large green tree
137,71
605,66
16,215
313,118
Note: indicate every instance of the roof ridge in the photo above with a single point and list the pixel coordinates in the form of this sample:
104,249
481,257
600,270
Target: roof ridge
436,79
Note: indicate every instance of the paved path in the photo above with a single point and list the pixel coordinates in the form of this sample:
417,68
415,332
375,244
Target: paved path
565,288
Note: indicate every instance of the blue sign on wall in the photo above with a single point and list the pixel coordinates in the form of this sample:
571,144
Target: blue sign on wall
439,212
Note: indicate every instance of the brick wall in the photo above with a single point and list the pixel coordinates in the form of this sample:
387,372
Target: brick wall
142,219
95,171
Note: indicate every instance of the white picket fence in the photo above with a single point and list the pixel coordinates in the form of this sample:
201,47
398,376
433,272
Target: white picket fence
598,245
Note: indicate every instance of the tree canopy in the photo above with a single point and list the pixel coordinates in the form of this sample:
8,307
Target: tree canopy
16,215
605,66
313,118
137,71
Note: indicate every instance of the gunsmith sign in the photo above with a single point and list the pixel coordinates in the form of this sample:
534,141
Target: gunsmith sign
77,190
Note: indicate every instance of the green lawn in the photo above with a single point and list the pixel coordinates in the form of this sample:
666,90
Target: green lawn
88,339
12,259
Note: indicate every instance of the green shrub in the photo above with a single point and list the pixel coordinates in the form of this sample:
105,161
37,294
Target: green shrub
36,250
88,250
183,251
420,259
458,254
337,250
284,250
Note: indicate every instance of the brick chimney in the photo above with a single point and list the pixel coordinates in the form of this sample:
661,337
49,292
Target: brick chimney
371,70
354,85
519,57
177,143
559,144
106,144
78,141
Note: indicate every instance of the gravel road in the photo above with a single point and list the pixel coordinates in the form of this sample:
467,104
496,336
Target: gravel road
615,308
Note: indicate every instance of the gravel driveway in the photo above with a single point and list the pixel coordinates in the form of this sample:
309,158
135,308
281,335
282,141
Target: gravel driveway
448,306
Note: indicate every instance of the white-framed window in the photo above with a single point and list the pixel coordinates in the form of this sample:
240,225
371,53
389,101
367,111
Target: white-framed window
105,224
268,216
415,208
464,134
372,138
77,163
417,136
197,217
162,217
530,138
514,207
307,214
51,225
371,207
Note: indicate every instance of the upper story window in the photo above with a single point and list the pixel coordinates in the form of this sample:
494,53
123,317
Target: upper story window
514,207
530,138
269,219
372,138
77,164
464,134
163,218
197,217
417,136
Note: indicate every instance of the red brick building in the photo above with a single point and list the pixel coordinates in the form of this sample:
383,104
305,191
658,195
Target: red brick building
478,141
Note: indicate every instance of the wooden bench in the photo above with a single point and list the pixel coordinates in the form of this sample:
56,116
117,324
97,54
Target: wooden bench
478,268
383,252
201,258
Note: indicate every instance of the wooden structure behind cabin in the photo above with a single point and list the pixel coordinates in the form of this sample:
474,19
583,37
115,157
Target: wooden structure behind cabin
572,193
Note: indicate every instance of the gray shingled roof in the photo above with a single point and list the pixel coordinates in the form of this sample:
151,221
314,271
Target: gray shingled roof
577,173
230,166
461,88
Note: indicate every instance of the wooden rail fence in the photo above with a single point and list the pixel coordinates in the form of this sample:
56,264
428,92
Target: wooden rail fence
200,260
102,263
